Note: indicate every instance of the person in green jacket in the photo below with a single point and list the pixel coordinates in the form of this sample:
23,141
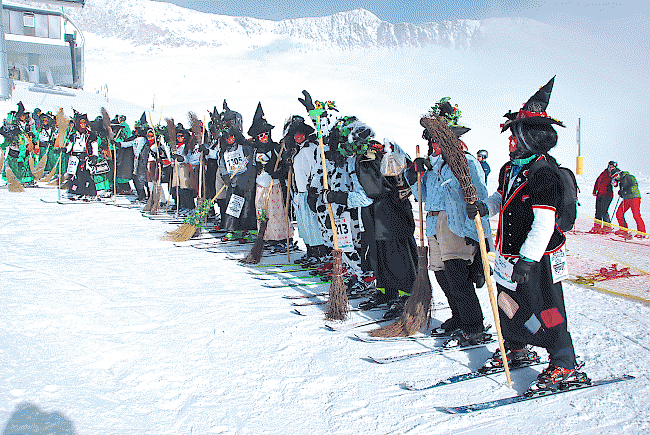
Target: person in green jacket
629,191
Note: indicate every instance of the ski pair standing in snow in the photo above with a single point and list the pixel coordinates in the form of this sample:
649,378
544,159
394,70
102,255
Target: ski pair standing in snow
454,254
530,246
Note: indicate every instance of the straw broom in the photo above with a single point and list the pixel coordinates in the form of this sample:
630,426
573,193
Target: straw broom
198,131
12,182
453,151
153,204
106,122
255,254
171,137
62,123
337,303
193,223
417,310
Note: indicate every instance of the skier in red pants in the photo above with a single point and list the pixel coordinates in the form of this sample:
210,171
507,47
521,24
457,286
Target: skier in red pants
629,191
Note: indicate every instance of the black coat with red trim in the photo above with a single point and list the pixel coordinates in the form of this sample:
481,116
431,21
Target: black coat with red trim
518,202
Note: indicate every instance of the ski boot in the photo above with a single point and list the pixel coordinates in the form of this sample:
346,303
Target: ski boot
377,299
516,358
396,309
446,329
557,378
232,235
358,287
461,338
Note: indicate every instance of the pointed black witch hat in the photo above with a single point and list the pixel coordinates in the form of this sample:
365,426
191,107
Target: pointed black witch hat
534,110
259,124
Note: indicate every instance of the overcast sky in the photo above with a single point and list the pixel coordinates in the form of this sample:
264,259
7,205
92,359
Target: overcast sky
413,11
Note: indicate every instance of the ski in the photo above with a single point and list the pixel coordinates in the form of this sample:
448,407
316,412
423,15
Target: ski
304,304
314,295
434,351
294,284
466,377
345,328
271,277
275,272
71,201
465,409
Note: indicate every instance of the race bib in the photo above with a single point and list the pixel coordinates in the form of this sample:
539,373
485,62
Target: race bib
234,159
73,163
559,266
344,232
503,271
235,206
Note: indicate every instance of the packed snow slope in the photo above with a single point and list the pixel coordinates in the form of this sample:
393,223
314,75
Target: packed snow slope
106,329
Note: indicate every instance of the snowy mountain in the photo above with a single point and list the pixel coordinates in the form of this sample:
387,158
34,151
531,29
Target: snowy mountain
157,23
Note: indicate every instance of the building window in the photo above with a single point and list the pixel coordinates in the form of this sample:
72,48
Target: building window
29,23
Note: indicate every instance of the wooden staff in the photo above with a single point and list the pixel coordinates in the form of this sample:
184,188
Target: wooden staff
452,150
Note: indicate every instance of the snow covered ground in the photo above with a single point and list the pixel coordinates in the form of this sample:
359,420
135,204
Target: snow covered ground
113,331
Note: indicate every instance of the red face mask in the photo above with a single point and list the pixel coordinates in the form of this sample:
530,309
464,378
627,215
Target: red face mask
512,147
299,137
230,140
436,148
263,137
151,138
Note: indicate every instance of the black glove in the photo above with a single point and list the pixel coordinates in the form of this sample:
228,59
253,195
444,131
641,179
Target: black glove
620,193
178,158
93,160
307,102
523,270
403,192
205,150
422,164
312,198
476,207
335,197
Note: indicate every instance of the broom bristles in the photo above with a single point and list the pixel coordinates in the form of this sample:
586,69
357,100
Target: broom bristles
417,309
181,234
40,167
337,304
155,205
255,254
12,182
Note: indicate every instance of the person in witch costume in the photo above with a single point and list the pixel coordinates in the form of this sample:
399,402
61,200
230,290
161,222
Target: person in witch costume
302,138
83,150
210,150
454,254
123,139
141,147
17,133
188,158
271,180
346,137
389,229
531,247
101,173
46,136
237,160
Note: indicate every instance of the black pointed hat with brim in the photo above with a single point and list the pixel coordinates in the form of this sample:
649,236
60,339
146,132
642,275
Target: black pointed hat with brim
259,125
534,110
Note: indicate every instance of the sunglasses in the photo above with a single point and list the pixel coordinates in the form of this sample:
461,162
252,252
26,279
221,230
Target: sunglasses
263,135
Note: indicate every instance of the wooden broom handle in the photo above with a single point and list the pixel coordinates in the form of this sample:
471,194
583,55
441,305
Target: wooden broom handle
417,156
326,186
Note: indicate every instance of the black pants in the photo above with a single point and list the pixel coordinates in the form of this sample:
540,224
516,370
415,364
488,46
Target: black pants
461,295
602,208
